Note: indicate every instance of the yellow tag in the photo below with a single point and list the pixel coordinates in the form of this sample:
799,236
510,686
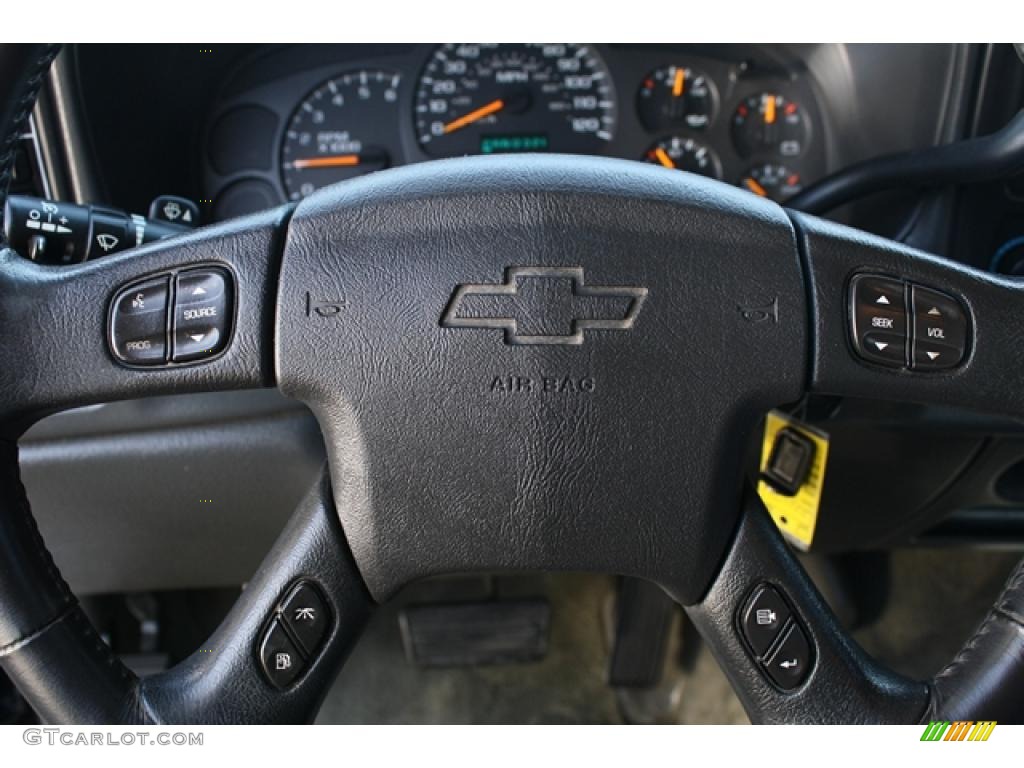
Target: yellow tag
794,515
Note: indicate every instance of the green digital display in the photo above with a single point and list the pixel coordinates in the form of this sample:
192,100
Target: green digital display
494,145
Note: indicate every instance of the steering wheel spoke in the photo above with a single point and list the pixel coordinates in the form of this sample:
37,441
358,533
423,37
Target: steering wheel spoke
276,654
60,348
249,671
785,653
945,334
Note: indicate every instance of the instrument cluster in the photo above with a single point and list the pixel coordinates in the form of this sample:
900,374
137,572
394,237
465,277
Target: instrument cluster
749,120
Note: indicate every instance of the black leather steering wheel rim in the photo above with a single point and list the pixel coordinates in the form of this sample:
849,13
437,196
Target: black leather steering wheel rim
57,660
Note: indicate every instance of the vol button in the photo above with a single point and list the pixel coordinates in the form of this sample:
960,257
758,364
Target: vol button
940,330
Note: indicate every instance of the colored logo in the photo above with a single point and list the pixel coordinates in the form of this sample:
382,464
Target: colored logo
961,730
544,305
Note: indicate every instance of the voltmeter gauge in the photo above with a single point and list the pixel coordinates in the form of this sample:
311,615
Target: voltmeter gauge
768,123
685,154
675,97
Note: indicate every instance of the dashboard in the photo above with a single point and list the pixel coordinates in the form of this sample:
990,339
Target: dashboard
748,120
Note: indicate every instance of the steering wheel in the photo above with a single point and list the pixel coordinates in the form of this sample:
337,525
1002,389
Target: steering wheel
518,363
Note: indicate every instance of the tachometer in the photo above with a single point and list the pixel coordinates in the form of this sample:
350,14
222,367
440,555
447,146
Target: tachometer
344,128
476,98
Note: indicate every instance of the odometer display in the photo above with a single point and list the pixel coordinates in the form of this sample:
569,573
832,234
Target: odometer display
475,98
494,145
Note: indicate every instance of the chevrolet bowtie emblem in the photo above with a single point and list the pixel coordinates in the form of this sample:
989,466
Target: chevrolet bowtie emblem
544,305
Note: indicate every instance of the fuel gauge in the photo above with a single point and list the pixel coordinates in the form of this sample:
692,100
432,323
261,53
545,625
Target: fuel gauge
675,97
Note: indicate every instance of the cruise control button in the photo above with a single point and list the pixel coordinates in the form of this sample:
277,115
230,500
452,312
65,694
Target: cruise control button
202,314
281,660
307,617
766,613
940,330
138,324
791,662
879,317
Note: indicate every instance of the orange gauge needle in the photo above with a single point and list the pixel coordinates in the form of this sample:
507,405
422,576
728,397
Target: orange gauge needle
333,161
769,109
663,158
679,83
756,188
477,114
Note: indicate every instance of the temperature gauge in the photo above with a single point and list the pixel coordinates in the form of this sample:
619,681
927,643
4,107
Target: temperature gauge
769,123
776,182
685,155
674,97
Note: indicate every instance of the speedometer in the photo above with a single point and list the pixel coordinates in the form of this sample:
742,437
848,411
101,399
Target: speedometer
477,98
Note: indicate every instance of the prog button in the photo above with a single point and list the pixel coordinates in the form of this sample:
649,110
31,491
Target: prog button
138,323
